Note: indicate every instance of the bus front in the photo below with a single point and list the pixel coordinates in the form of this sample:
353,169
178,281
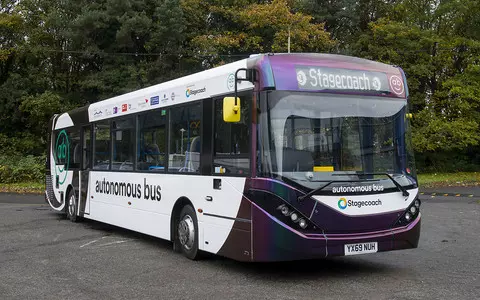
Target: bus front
334,165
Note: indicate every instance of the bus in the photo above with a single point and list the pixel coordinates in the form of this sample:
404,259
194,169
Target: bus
275,157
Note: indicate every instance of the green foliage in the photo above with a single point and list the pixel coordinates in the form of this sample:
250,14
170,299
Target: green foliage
14,169
56,55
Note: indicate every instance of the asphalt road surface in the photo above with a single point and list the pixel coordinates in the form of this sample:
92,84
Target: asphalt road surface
44,256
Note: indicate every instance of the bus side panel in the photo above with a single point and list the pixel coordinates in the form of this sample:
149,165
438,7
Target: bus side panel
144,202
238,245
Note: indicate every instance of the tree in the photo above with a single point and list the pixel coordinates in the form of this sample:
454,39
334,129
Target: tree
260,28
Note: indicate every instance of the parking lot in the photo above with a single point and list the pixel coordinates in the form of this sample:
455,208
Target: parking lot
42,255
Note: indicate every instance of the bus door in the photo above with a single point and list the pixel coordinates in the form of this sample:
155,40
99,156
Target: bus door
84,189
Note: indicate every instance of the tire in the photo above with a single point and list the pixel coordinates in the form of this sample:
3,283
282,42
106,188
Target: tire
186,233
71,207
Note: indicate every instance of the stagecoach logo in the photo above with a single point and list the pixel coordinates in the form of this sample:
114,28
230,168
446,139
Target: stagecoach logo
396,84
231,82
323,78
191,92
344,203
62,154
301,78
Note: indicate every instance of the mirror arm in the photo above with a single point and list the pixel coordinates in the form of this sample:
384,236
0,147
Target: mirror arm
249,76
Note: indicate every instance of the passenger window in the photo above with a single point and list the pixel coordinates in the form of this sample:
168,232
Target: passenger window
185,144
232,140
123,144
87,143
75,148
102,146
152,141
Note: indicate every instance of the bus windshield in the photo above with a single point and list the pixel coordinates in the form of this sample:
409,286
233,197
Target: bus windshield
312,137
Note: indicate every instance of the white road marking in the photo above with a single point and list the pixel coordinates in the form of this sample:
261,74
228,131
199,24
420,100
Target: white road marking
57,237
112,243
91,242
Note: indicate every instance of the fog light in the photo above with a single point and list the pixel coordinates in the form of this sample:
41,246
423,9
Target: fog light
302,223
413,210
294,217
408,217
417,203
284,210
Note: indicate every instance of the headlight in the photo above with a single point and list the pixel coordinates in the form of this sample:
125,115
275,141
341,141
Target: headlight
294,217
302,223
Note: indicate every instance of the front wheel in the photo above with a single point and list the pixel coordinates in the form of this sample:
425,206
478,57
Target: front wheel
72,207
187,232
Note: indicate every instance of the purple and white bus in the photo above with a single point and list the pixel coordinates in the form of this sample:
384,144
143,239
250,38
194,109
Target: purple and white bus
271,158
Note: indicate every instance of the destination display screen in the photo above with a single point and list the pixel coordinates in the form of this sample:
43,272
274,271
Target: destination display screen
324,78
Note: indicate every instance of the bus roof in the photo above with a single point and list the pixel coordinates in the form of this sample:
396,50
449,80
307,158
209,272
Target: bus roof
277,71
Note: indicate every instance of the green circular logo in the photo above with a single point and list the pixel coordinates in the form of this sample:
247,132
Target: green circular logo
62,155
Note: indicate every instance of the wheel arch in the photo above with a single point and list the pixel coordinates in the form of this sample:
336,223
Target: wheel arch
177,208
67,192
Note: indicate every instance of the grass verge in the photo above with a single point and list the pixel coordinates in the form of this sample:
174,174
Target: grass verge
425,180
449,179
23,188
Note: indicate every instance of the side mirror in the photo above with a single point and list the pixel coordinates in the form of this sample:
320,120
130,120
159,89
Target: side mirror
231,109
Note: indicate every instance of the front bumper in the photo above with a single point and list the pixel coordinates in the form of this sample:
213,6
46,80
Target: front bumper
274,241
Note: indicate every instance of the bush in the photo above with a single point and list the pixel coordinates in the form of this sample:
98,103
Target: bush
15,169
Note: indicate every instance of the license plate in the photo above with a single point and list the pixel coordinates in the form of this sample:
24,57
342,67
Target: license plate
361,248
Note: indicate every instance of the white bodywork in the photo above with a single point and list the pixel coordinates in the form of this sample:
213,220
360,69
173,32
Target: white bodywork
216,81
153,217
62,121
368,204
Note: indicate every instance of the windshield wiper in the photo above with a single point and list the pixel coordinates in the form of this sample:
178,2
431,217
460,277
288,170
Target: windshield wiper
399,186
300,198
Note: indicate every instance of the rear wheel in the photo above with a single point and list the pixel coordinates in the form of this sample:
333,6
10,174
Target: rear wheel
187,232
71,207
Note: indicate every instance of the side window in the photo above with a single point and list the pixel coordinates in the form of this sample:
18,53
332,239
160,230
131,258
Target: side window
184,154
101,159
151,142
75,147
232,140
87,150
123,133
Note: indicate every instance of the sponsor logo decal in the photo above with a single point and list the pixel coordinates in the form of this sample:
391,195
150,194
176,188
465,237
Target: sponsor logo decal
191,92
97,113
154,100
115,110
231,82
396,84
62,154
165,98
344,203
124,107
142,103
